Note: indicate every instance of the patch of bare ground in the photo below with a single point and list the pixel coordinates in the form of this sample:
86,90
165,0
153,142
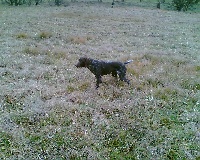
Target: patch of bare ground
49,109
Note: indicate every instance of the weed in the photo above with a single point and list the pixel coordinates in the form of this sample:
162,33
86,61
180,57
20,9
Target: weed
154,82
166,122
179,63
153,59
6,144
133,72
121,145
44,35
79,39
47,60
32,51
108,114
55,120
48,75
22,36
172,154
84,86
197,68
7,73
187,84
70,89
11,103
166,94
22,120
29,120
58,55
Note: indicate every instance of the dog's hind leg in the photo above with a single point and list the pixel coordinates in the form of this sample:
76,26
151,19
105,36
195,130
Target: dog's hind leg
125,79
122,77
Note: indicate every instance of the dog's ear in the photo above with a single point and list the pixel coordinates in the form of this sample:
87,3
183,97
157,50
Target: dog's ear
85,60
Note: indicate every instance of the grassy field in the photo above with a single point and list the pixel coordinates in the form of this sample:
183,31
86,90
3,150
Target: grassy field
51,110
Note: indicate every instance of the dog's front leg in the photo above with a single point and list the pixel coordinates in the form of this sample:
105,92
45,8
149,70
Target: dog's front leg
98,77
114,73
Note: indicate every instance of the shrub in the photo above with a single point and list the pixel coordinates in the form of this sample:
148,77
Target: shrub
183,4
14,2
21,2
58,2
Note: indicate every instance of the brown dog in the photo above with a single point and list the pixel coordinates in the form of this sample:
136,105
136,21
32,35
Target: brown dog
100,68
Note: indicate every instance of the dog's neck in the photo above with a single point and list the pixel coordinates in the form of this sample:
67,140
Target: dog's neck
92,65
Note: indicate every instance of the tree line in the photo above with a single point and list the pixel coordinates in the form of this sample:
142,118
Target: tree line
179,5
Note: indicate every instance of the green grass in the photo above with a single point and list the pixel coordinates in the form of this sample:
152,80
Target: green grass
7,145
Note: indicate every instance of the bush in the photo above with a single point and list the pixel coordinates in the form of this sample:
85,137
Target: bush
58,2
14,2
183,4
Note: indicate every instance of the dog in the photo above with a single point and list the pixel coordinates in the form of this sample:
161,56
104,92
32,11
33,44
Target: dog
100,68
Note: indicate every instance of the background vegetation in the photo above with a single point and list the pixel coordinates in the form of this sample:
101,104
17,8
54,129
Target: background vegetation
179,5
51,110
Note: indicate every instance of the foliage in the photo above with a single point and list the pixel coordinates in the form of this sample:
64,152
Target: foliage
21,2
183,4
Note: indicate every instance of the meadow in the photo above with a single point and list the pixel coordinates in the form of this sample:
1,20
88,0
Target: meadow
49,109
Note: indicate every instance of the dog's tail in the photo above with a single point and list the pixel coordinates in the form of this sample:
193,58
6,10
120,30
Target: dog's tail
128,62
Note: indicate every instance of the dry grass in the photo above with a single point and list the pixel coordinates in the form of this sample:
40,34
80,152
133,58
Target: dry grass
79,39
51,110
44,35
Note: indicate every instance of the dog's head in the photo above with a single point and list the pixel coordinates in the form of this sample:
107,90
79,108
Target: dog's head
83,62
